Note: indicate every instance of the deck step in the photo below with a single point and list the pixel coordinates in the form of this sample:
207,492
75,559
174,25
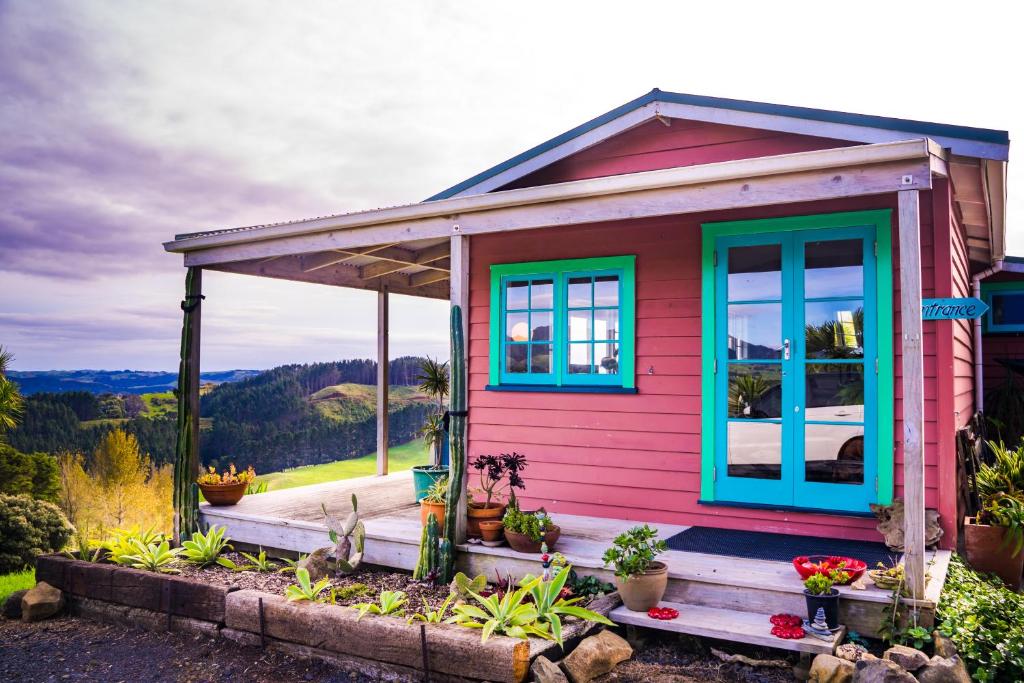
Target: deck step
724,624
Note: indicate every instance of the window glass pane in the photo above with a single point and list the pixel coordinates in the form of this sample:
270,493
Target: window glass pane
755,331
1008,309
541,292
579,325
517,326
540,326
606,290
834,392
834,268
580,358
755,273
579,292
755,450
606,359
515,358
834,329
540,358
755,390
606,324
517,295
834,454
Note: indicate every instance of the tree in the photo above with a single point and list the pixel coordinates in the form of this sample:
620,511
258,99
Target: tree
33,474
117,466
11,401
133,405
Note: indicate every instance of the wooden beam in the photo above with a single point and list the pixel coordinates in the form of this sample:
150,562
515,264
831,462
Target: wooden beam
382,382
460,297
427,277
395,259
913,391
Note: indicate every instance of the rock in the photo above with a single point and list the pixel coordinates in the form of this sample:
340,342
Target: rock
943,670
316,564
596,656
944,647
829,669
12,605
544,670
881,671
907,657
890,524
41,602
851,652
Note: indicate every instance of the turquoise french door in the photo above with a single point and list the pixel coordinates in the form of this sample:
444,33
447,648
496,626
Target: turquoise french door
795,369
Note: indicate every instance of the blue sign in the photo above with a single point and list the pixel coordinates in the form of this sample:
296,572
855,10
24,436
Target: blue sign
953,309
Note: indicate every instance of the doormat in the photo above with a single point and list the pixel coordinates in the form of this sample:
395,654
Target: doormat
758,545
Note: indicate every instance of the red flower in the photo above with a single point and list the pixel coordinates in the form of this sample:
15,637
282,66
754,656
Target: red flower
663,613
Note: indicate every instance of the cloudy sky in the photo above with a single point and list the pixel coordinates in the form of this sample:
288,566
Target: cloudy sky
123,123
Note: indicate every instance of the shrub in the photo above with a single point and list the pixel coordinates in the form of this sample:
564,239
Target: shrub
985,620
33,474
29,527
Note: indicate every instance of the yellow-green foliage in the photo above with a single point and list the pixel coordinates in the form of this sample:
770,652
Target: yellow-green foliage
354,402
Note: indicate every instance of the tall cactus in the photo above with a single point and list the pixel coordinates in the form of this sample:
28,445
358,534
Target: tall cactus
186,455
457,435
428,564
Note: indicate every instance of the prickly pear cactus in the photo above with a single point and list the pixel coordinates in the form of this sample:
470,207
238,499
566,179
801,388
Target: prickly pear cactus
345,534
457,435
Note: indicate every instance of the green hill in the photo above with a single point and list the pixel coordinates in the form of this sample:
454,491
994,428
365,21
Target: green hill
351,402
400,458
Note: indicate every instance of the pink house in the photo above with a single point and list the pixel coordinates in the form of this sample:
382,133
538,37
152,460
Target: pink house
698,311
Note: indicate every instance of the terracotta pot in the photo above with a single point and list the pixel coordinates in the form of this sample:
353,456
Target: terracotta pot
426,507
476,513
524,544
641,592
223,494
985,552
829,602
490,529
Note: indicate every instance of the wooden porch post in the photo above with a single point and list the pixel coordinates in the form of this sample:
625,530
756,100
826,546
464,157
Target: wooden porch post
382,382
913,390
186,452
459,274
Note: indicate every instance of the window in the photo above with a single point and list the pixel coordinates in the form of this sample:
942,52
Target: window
1006,306
563,324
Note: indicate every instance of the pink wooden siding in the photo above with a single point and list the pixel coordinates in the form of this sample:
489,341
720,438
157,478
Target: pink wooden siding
638,456
654,145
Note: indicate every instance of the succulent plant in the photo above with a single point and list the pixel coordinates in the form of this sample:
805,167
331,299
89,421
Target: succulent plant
348,536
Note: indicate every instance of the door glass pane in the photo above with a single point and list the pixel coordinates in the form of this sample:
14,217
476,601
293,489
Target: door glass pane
606,359
517,295
541,293
834,268
540,326
755,390
606,324
834,454
755,450
755,273
517,326
834,392
579,325
515,358
579,292
540,358
834,329
755,331
606,290
580,358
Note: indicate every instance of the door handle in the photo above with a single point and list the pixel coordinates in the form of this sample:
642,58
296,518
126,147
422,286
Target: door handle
785,349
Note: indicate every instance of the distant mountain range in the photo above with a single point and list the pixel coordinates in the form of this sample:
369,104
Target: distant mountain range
112,381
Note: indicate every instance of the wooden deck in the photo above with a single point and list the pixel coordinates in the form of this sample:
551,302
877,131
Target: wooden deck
291,520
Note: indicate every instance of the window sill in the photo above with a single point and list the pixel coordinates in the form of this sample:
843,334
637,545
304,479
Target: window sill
785,508
542,388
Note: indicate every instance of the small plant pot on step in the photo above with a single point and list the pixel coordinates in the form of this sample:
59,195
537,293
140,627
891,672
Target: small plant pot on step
829,602
641,592
524,544
476,513
223,494
986,553
490,530
438,509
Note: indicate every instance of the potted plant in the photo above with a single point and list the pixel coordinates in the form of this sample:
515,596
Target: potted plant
491,530
640,579
226,488
993,540
434,501
820,591
499,476
434,382
527,531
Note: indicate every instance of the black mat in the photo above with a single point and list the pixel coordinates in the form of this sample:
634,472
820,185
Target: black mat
757,545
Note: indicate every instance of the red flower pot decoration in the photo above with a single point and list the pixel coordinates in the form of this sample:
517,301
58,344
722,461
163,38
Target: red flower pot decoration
806,565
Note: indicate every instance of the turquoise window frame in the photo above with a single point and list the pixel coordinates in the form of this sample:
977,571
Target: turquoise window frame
560,272
987,290
881,221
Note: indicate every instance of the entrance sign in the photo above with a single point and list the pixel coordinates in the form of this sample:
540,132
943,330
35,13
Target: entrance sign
953,309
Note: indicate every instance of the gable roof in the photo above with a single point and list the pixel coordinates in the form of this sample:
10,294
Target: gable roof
964,140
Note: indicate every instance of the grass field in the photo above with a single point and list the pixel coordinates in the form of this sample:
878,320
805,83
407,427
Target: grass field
399,458
16,582
159,404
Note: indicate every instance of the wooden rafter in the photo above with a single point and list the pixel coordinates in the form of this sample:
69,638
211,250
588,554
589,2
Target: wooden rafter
395,259
427,277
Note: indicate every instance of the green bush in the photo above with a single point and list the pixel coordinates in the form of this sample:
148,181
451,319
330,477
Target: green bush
33,474
29,527
985,620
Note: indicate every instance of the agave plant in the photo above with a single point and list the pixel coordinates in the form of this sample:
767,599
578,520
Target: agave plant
510,614
391,602
306,589
551,607
153,557
203,550
462,587
430,616
122,544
